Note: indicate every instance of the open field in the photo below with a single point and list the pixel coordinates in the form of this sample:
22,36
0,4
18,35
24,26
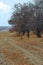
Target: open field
14,51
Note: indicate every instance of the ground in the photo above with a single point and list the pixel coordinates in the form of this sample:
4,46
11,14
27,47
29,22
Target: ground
14,51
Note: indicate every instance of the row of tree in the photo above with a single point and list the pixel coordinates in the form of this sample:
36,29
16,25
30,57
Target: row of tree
27,17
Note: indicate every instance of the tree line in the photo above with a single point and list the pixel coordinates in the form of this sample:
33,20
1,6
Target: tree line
28,17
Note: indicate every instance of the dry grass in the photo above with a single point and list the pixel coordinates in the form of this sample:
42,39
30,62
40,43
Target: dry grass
33,38
28,51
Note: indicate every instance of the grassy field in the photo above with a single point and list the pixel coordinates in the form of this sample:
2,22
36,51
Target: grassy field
14,51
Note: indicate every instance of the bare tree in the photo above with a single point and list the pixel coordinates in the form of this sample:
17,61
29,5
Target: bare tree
27,17
38,10
22,18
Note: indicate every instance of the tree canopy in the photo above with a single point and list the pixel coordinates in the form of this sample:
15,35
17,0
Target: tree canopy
27,16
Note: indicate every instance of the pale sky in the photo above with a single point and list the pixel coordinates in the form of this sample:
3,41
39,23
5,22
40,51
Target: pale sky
6,9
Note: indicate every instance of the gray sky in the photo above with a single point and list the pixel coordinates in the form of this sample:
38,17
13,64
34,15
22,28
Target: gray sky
6,10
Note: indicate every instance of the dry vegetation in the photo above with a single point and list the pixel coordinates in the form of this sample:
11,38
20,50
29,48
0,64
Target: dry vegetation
14,51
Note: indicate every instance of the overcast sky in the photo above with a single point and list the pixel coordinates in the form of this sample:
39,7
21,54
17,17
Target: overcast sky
6,9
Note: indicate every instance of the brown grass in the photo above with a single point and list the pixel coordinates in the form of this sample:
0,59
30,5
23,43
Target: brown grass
33,45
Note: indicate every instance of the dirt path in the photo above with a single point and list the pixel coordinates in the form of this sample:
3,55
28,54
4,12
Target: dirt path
31,57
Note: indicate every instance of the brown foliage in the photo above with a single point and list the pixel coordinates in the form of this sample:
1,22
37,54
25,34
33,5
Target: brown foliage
11,30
